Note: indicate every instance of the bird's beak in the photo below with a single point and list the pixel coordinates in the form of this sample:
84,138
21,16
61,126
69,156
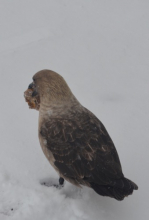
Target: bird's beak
31,86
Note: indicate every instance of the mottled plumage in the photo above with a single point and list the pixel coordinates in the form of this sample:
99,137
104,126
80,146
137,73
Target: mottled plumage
75,142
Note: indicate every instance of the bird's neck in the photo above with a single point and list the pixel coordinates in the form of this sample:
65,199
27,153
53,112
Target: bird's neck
58,108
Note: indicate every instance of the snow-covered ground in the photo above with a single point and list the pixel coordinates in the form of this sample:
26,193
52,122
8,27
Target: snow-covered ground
101,48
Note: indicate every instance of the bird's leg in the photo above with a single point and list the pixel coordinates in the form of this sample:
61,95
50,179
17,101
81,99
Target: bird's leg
61,181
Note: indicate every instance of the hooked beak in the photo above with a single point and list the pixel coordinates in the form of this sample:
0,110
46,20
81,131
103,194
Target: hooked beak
32,86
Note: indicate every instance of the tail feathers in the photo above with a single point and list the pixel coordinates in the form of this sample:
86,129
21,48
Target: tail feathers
118,189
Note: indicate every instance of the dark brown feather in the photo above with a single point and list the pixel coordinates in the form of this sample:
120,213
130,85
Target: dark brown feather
82,148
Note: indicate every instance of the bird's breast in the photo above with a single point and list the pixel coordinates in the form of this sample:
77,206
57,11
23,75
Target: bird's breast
46,151
43,144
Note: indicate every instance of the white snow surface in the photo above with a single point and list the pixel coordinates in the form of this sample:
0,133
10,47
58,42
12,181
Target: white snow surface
101,48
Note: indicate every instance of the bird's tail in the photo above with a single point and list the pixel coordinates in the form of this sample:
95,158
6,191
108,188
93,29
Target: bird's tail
118,189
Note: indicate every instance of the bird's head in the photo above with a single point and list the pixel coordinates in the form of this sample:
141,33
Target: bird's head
48,87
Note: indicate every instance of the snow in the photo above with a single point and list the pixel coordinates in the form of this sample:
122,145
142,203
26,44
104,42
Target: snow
101,49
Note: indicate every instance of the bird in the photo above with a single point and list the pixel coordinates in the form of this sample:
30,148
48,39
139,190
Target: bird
74,140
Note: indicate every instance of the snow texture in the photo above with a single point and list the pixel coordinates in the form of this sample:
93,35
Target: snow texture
101,48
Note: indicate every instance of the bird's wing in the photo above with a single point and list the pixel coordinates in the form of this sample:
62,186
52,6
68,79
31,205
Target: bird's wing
82,149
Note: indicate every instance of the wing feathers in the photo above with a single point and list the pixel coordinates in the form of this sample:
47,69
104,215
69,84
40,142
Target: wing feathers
82,147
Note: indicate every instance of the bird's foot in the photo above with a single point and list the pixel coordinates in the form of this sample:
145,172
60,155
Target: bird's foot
56,185
61,181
